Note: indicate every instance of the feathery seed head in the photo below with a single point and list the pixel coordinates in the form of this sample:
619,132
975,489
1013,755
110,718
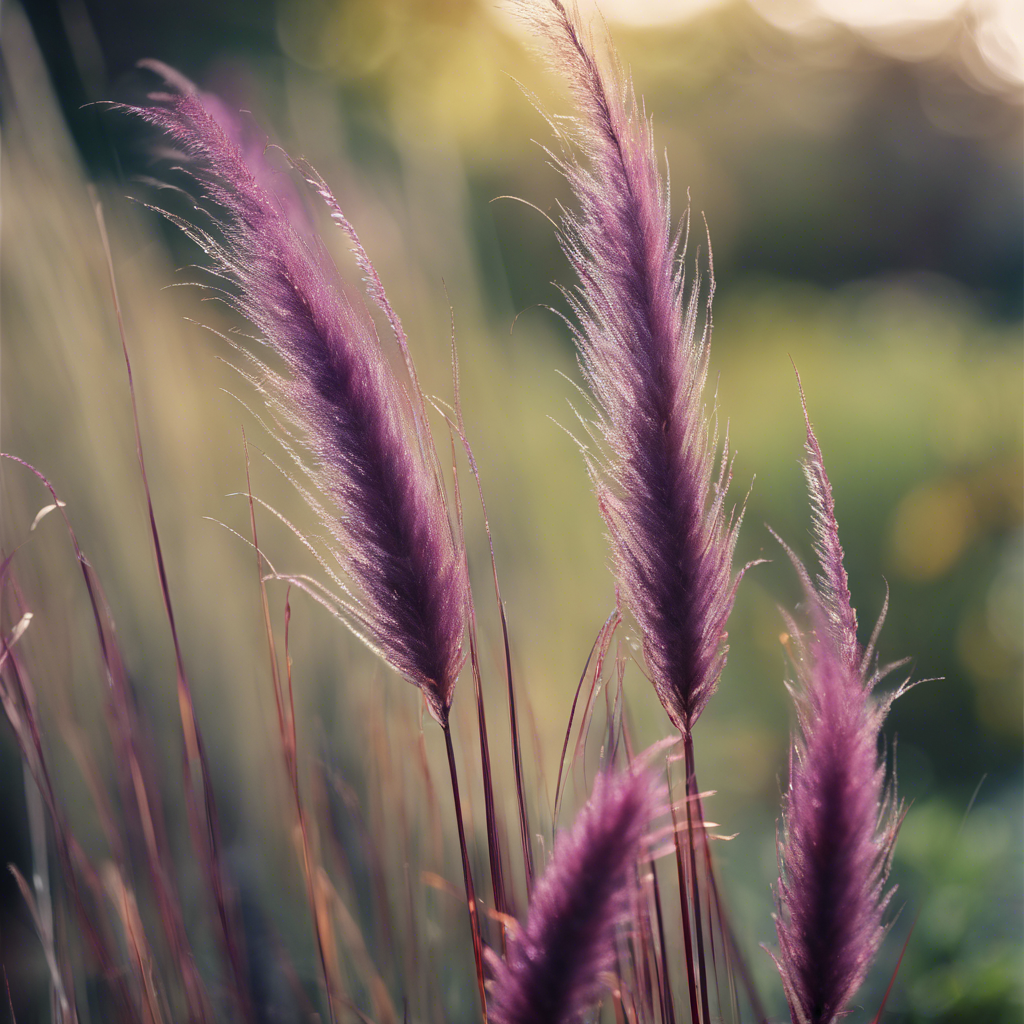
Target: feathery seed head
382,501
840,823
643,348
555,962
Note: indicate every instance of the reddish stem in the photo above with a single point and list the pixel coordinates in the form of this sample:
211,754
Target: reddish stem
474,920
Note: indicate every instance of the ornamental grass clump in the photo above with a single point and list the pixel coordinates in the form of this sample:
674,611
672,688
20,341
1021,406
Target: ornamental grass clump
397,574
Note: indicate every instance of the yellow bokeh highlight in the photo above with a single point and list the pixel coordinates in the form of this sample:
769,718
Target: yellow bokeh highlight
995,674
930,529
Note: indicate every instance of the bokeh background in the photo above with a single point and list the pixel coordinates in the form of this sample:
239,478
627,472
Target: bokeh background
859,165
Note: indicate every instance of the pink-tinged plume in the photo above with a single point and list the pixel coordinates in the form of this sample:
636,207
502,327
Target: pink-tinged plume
840,820
833,589
244,133
553,971
643,349
379,496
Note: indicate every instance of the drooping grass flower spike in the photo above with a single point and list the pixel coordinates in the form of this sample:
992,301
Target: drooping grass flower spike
376,482
378,493
553,972
840,819
263,160
643,346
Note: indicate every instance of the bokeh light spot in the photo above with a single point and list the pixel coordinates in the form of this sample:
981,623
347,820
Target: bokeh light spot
930,529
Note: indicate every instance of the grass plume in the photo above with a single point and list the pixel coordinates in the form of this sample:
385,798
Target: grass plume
373,463
644,355
840,821
556,961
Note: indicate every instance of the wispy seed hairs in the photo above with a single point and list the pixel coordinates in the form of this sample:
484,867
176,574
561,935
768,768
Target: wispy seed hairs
554,965
840,820
644,355
372,465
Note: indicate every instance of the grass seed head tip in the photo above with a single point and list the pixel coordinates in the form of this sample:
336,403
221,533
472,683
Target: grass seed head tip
376,491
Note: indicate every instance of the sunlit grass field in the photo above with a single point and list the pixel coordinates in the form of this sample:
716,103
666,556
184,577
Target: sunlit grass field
913,378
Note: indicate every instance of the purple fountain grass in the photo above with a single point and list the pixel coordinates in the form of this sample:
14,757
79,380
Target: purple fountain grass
840,819
243,132
555,963
643,344
383,501
374,463
644,356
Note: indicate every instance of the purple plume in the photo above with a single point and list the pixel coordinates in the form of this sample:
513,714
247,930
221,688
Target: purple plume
833,588
243,132
644,354
555,962
382,501
840,821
